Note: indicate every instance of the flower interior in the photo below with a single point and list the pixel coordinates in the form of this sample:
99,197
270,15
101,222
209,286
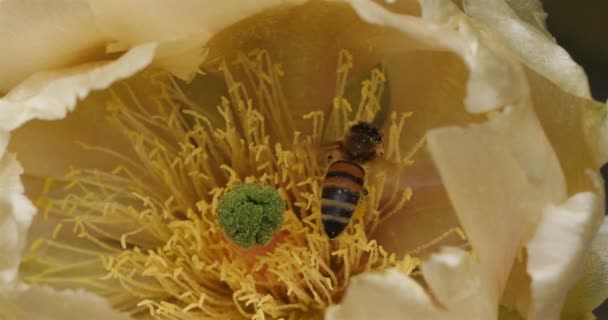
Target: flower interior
146,234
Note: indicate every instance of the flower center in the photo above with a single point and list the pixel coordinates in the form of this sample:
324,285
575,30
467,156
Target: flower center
146,235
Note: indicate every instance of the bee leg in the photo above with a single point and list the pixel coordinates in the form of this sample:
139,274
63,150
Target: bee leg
330,158
365,191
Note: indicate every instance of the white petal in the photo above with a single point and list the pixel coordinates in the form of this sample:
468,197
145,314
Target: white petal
123,21
499,176
456,281
42,35
595,126
50,95
592,289
453,277
556,252
44,303
532,12
181,57
181,28
536,50
16,213
493,81
387,296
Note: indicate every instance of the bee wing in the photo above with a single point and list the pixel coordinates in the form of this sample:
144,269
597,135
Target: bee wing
327,147
382,164
403,174
373,105
326,152
384,109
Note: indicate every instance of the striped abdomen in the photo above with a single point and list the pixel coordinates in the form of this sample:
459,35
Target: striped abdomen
341,191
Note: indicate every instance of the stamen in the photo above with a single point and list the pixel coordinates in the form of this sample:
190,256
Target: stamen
147,235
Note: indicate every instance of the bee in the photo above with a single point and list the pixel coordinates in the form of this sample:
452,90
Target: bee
343,183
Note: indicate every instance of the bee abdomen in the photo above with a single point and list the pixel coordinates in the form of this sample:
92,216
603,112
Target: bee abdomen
341,192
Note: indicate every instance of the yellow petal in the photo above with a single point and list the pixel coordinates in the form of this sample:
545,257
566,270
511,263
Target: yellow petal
486,90
181,28
499,175
569,121
595,126
534,48
556,251
454,277
123,22
41,35
46,95
16,213
387,296
44,303
50,95
592,288
531,12
456,281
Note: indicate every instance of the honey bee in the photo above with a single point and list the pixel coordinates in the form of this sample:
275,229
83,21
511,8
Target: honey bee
343,183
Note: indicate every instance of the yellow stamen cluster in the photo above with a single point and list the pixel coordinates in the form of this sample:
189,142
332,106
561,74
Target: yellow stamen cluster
146,234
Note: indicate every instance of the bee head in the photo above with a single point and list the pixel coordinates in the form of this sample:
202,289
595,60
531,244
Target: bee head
367,129
363,142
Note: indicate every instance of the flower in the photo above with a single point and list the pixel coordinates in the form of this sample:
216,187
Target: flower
482,135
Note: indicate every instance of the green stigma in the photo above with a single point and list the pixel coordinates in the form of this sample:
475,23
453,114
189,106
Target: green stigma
250,214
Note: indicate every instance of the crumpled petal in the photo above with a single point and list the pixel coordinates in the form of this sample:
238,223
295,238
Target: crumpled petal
456,281
535,49
68,33
16,213
395,296
532,12
493,84
444,27
454,278
181,28
556,252
513,141
592,288
50,95
499,176
567,121
122,21
43,35
45,303
595,126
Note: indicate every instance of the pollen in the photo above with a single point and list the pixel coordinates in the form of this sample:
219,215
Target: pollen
250,214
156,235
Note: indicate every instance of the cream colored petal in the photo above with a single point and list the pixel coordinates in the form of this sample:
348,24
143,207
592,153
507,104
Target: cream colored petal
493,80
499,176
536,50
293,37
181,57
387,296
452,275
59,142
592,289
44,303
182,28
556,252
532,12
569,121
49,95
42,35
456,281
16,213
121,20
595,126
